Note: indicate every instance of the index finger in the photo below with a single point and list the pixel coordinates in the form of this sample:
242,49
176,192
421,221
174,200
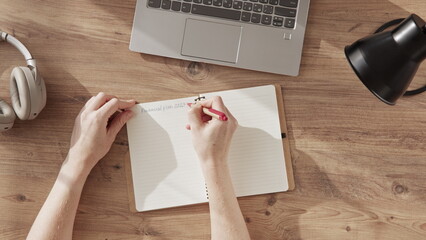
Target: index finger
113,105
98,101
215,102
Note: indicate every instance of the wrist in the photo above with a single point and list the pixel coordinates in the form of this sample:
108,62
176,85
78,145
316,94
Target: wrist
75,169
213,165
71,179
216,173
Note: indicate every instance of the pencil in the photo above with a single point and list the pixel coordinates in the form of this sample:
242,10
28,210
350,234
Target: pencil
213,113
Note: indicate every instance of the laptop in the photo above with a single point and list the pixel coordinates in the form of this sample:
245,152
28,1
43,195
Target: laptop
261,35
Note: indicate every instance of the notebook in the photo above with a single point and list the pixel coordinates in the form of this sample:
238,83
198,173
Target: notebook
164,170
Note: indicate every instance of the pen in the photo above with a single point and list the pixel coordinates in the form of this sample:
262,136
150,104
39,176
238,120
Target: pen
213,113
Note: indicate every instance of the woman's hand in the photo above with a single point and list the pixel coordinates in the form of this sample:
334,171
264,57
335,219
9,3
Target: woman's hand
211,137
95,129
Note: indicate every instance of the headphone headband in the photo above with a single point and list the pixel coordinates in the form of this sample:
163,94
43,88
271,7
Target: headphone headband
21,47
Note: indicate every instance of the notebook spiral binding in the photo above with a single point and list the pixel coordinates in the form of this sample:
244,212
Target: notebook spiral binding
207,191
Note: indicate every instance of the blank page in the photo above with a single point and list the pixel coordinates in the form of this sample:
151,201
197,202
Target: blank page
256,157
165,168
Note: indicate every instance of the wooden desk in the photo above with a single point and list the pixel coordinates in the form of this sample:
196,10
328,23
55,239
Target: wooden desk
359,165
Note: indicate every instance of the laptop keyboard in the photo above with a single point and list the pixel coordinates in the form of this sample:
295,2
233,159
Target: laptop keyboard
276,13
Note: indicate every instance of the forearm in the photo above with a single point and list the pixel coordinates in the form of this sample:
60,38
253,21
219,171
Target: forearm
56,218
227,221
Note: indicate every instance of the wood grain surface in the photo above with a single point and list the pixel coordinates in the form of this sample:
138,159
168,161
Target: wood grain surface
359,165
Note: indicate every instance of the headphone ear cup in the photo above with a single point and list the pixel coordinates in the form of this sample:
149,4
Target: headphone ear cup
20,93
7,116
38,94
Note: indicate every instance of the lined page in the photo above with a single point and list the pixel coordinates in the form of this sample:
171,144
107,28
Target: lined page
165,168
256,157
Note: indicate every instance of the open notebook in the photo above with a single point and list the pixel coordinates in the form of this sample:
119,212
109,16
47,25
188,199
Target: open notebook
165,170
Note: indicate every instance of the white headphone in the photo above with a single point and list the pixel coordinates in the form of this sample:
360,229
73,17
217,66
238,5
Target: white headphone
27,89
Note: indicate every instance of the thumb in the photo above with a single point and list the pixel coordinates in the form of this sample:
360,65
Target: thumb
194,116
118,122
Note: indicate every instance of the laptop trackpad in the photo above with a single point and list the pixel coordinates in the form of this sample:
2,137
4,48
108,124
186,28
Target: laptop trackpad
211,40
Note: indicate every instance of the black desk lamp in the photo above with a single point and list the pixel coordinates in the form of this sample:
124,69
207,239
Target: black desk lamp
386,62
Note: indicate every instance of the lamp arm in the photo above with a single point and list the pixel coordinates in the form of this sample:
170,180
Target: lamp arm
389,24
415,92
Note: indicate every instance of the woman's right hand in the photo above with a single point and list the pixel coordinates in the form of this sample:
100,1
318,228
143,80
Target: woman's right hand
211,137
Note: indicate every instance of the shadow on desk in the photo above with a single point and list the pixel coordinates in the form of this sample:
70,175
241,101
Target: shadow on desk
65,98
292,215
331,24
281,214
338,23
318,209
37,148
122,9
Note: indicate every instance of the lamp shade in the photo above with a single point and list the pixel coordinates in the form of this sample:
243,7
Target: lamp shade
386,62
